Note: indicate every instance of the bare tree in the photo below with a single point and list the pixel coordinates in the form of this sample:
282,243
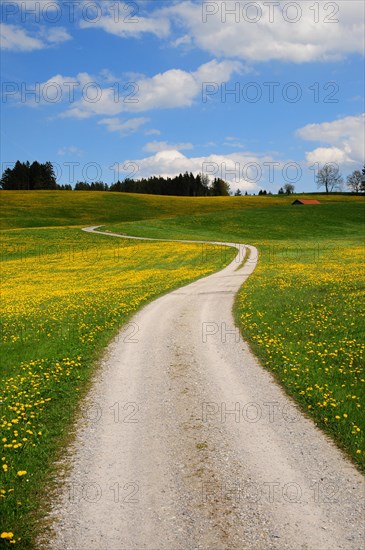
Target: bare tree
354,181
329,177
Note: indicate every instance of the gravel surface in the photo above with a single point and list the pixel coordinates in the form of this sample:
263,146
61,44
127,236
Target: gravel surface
186,442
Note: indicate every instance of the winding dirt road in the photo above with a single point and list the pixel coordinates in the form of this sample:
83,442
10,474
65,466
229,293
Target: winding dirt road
188,443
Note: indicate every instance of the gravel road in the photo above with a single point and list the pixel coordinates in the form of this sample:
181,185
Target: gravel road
186,442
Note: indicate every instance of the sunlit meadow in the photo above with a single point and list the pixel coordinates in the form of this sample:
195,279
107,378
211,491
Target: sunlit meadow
303,312
64,295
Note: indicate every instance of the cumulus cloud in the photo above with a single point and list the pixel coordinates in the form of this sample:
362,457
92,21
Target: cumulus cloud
298,32
75,91
124,20
171,89
325,155
56,35
156,146
16,38
123,127
345,139
244,170
254,32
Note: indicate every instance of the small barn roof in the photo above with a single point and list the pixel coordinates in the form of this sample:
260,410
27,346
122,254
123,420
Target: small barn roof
306,201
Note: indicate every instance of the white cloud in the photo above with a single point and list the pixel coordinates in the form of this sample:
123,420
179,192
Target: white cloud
152,132
56,35
124,20
271,37
89,95
156,146
324,155
254,32
171,89
75,113
124,128
60,89
231,142
345,138
108,76
182,41
245,171
16,38
70,150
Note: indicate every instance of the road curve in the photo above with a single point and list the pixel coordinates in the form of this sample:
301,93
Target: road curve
188,443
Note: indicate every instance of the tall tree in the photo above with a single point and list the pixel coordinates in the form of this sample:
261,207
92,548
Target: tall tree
204,178
29,177
17,177
289,188
219,188
330,178
354,181
49,176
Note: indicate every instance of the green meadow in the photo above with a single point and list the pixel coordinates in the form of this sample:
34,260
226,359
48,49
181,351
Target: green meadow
66,293
302,310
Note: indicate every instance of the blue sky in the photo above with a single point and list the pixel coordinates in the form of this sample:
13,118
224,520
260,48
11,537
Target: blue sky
259,93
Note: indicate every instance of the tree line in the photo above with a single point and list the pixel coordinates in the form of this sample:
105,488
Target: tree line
185,185
36,176
31,177
330,177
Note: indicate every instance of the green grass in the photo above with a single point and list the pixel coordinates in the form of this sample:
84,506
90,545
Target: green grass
303,314
328,221
62,208
67,293
302,310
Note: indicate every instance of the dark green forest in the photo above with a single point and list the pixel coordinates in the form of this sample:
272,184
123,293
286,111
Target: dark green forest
36,176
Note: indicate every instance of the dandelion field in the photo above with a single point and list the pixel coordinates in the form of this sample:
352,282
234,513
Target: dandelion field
303,313
64,295
302,310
